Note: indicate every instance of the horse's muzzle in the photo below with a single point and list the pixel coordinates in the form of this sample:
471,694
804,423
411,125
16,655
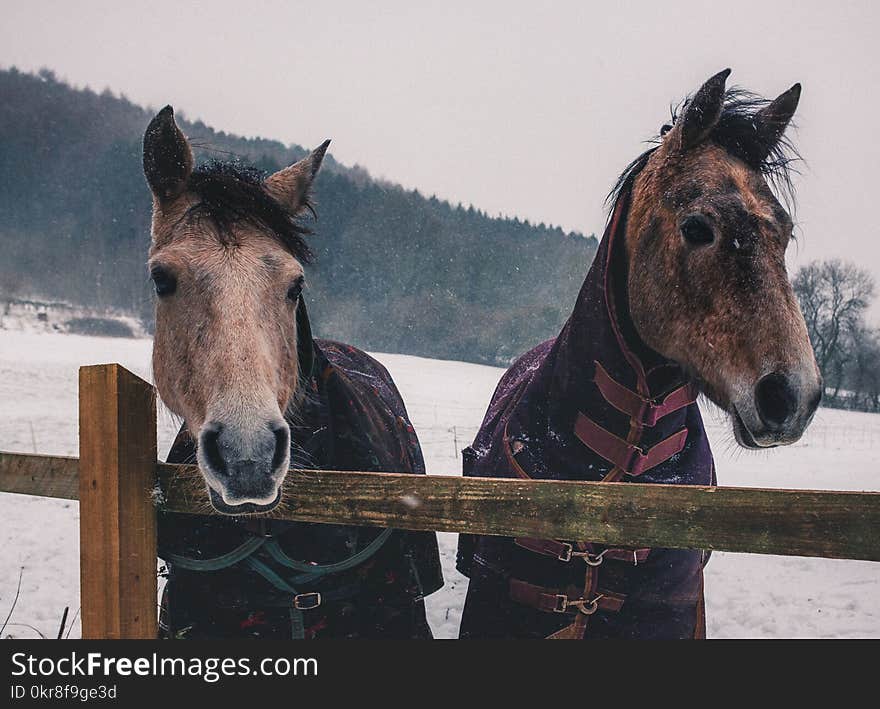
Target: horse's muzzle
244,467
779,410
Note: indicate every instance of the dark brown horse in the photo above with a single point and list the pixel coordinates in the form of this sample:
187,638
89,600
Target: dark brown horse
688,294
235,358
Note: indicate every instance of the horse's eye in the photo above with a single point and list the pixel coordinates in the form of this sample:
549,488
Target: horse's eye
164,282
696,230
295,290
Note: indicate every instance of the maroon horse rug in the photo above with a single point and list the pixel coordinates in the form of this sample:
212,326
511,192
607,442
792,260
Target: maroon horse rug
612,399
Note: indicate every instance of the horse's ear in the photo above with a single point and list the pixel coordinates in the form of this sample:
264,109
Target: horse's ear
772,120
168,159
701,113
290,186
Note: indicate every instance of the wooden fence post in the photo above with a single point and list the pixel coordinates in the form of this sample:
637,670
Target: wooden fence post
117,524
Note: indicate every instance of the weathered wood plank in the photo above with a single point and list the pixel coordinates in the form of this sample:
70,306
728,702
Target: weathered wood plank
787,522
790,522
43,475
117,472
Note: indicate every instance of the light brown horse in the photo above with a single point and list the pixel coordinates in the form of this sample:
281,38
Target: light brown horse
226,260
234,356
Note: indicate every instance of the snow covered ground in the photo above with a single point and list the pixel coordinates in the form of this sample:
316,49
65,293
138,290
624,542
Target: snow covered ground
747,595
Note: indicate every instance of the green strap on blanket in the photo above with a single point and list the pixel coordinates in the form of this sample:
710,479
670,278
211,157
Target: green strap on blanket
217,563
247,552
273,549
297,622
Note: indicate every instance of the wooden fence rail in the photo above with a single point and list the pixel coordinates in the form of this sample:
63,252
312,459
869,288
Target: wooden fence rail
116,475
837,525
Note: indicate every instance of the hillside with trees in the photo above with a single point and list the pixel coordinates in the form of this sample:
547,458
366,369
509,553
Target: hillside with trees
396,271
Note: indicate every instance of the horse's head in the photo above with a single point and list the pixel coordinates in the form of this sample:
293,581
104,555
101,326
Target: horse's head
226,259
705,261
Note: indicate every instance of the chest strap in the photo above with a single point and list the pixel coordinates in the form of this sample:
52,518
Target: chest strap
646,411
590,599
308,573
550,600
626,456
565,551
271,546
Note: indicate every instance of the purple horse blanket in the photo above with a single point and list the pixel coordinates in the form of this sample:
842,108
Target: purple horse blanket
592,404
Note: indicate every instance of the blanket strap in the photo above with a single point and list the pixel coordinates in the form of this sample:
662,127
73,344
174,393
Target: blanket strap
247,553
542,598
550,600
589,601
565,551
627,457
646,411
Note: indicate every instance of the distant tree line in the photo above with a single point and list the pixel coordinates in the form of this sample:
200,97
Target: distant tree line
395,271
835,297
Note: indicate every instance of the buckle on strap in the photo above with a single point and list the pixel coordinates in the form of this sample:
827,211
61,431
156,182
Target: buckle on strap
559,550
593,559
582,604
589,558
307,601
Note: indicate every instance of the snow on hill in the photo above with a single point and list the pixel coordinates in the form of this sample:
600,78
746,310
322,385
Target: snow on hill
747,595
23,315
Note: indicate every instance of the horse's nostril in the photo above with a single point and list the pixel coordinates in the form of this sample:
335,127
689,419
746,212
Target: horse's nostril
282,444
775,400
210,446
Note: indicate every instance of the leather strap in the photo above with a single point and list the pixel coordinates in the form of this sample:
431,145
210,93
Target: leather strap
547,547
573,631
549,600
636,556
629,458
646,411
564,551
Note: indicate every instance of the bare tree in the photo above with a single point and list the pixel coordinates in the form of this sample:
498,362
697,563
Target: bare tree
834,296
863,375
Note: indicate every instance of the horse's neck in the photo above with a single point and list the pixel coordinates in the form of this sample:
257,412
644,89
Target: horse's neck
601,325
599,333
598,329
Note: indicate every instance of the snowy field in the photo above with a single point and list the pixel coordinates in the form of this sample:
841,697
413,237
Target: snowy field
747,595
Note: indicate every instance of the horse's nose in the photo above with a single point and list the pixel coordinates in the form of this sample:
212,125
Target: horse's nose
776,400
245,465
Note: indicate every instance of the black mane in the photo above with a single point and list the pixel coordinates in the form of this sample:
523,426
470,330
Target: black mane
230,192
735,132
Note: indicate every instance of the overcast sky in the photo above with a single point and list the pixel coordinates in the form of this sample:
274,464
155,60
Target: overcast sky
523,108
